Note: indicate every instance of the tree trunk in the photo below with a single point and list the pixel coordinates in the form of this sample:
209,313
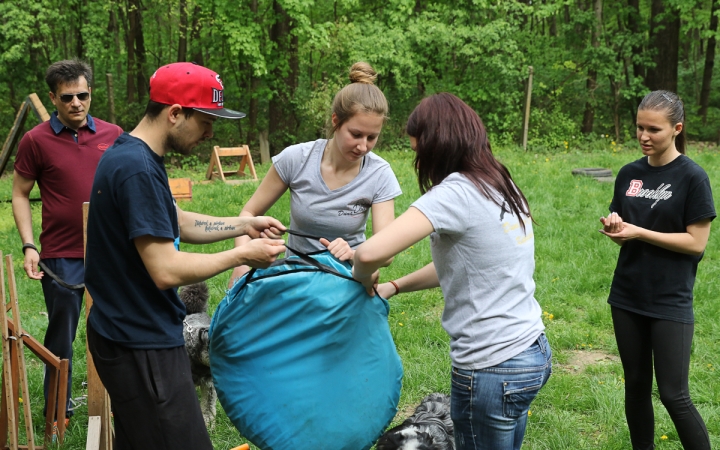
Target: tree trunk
634,27
114,31
140,56
709,62
665,39
197,56
131,91
589,115
182,41
282,121
79,44
254,86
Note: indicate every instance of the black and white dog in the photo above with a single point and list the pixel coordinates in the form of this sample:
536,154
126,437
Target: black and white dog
195,332
429,428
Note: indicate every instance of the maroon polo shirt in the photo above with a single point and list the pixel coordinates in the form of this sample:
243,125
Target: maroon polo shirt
64,170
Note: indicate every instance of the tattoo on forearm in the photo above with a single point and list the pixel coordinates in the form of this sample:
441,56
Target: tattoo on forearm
218,225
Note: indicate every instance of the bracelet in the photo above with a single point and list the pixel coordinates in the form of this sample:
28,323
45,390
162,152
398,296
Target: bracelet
397,288
27,246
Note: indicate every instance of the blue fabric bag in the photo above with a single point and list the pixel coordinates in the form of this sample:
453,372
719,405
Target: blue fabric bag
302,357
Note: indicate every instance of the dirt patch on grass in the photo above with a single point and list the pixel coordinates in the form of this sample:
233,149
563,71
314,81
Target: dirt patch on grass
580,359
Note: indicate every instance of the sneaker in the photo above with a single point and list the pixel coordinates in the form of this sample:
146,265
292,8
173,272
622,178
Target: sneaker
55,428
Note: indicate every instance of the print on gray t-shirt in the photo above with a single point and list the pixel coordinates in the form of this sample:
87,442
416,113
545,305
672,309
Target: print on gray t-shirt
317,210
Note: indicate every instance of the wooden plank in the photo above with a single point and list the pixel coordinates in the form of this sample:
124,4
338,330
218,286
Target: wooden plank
233,151
14,135
181,188
38,107
98,399
9,418
93,436
19,347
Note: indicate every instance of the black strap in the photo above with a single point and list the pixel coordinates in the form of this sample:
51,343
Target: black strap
315,263
59,280
295,233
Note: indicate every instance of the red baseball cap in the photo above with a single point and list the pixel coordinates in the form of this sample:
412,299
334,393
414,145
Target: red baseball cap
191,86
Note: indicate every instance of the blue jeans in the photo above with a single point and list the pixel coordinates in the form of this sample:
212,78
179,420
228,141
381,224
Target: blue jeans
63,307
489,407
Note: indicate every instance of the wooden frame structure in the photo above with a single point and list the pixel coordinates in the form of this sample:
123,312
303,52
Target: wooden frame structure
14,377
32,102
181,188
100,428
215,168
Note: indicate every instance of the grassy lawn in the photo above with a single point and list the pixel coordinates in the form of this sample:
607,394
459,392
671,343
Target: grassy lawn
582,405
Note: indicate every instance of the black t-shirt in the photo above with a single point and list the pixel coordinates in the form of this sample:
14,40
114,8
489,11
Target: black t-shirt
650,280
131,198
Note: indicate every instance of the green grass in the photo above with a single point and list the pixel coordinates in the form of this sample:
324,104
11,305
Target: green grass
581,407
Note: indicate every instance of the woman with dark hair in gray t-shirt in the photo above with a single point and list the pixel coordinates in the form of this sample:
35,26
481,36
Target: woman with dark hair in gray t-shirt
334,183
483,255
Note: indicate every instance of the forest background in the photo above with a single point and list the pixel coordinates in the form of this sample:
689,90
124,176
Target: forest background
283,60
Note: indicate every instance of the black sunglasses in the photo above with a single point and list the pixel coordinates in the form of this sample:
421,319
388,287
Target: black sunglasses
67,98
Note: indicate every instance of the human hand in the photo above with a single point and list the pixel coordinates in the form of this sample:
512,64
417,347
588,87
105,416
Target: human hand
628,232
339,248
264,227
30,264
369,282
238,273
386,290
260,252
613,223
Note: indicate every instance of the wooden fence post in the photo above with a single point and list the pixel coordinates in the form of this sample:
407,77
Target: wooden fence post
526,122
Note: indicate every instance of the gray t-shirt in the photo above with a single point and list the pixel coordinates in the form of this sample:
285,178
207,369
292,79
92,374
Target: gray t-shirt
485,264
317,210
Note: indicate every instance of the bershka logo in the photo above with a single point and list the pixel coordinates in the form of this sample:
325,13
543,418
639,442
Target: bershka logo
217,96
661,193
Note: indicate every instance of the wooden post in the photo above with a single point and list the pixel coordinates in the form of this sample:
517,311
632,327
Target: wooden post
526,122
264,147
98,399
111,98
9,420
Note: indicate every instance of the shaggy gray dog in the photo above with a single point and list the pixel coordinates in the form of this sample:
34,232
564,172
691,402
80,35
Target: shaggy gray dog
429,428
195,332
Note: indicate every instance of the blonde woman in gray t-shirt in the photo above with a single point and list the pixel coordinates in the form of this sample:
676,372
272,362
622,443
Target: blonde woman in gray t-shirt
334,183
483,258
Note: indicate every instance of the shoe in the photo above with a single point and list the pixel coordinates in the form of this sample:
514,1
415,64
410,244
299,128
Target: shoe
55,428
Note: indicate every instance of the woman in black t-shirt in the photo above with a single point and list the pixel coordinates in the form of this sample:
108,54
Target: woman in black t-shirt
660,216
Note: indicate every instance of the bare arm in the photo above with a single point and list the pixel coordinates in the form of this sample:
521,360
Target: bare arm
170,268
692,242
23,220
270,190
411,227
425,278
201,229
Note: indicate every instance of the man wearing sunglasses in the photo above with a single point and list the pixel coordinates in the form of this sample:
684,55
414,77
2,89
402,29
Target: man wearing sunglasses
61,156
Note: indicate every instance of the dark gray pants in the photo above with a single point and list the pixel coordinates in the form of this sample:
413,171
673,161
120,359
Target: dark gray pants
153,397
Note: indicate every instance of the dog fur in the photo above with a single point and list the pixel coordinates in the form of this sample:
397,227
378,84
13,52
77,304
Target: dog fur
195,332
429,428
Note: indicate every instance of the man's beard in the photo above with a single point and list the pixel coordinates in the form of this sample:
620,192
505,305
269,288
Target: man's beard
174,144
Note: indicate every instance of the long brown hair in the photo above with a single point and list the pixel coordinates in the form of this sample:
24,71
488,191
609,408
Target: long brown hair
452,138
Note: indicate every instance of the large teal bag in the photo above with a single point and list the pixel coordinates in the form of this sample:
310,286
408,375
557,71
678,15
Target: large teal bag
302,357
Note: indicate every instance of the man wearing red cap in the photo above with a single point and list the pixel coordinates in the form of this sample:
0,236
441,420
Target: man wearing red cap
133,263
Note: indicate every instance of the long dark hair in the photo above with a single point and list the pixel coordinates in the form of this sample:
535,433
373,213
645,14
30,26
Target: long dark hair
452,138
669,103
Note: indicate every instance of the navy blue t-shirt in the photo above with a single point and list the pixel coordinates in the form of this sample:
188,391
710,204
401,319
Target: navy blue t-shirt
130,198
651,280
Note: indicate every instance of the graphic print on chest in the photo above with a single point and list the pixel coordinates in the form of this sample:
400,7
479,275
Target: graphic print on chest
661,193
356,207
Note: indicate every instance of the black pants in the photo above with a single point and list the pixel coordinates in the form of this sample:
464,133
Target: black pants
641,339
153,397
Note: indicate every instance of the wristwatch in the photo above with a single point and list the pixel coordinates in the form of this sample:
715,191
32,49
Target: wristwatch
27,246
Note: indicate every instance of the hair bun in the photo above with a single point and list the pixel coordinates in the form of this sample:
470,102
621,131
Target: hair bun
362,72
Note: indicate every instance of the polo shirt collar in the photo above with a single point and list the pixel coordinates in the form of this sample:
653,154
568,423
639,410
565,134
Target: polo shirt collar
58,126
